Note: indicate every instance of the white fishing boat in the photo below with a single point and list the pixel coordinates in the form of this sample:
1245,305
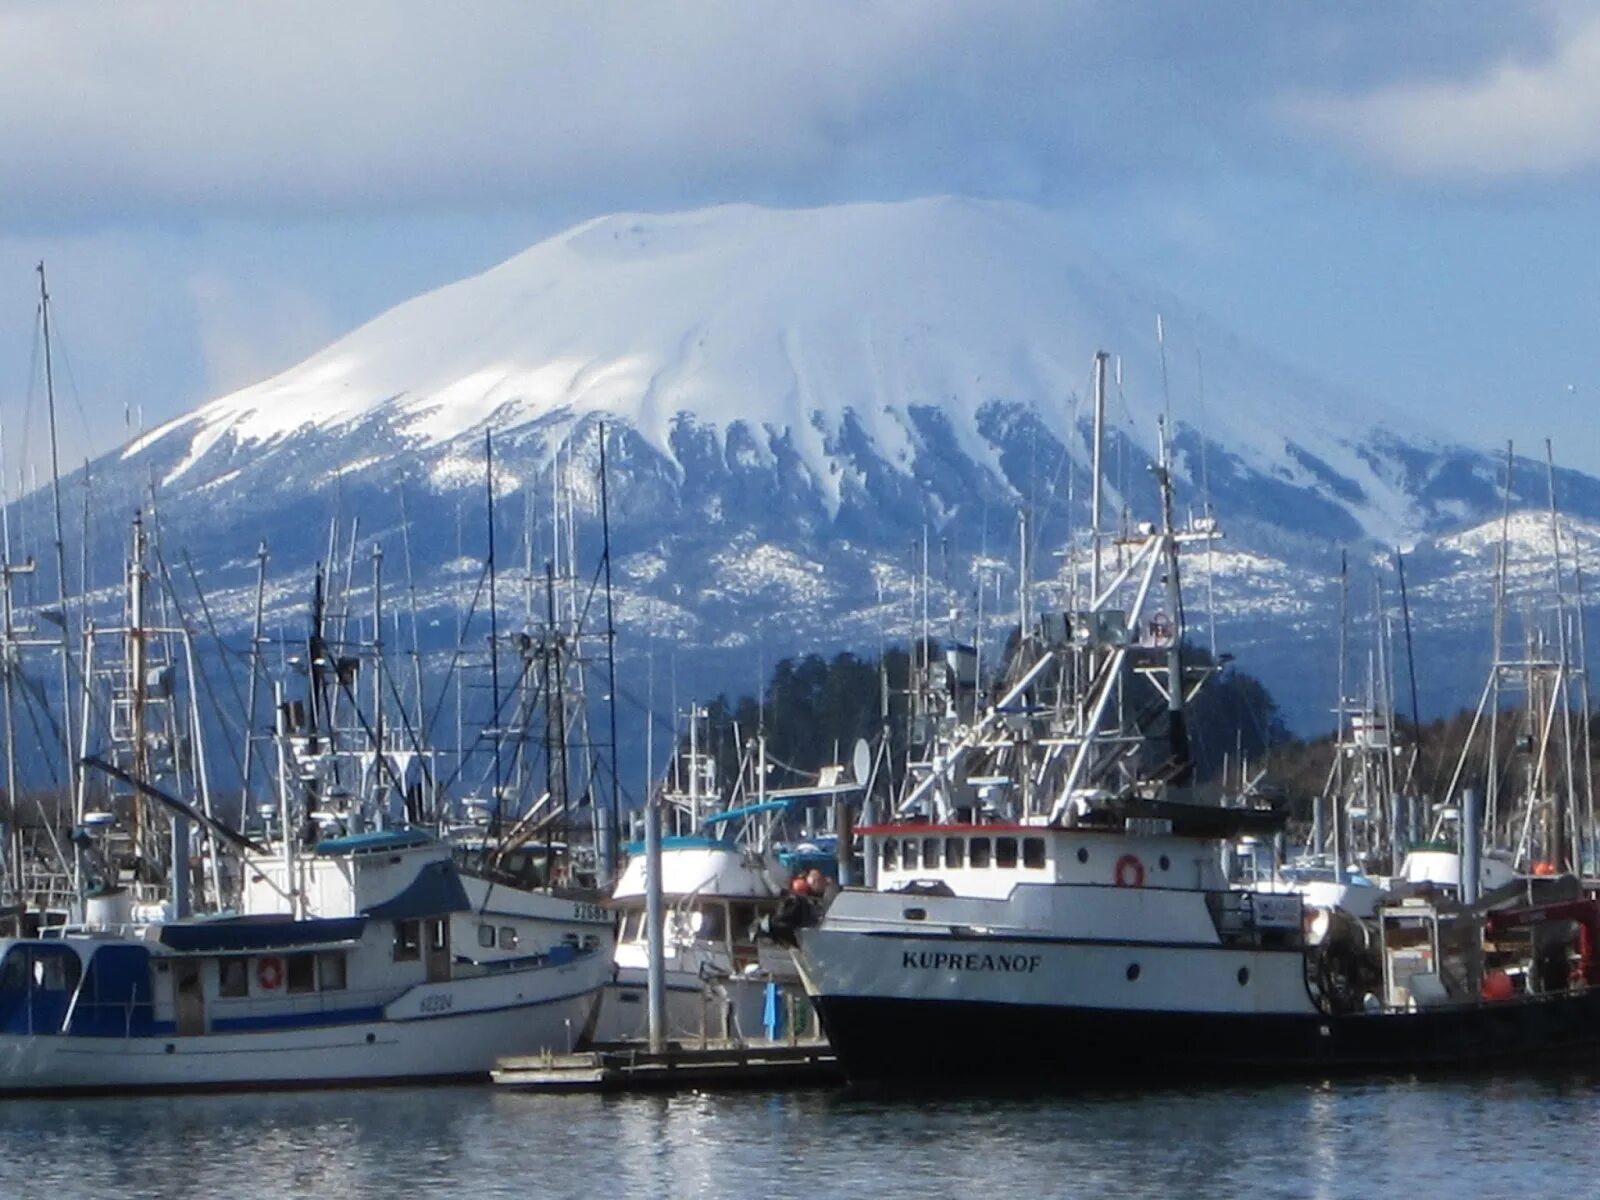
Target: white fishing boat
716,895
722,882
372,991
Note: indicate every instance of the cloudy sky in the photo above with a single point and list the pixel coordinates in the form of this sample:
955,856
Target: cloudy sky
1399,197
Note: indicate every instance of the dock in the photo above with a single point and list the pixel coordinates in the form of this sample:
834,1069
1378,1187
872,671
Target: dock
633,1068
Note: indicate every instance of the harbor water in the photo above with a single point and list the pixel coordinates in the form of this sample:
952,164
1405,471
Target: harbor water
1461,1137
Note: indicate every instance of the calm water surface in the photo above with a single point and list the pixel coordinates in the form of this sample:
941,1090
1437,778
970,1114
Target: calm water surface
1395,1140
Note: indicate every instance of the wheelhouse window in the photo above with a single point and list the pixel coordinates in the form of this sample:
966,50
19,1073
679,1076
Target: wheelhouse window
955,851
910,859
711,923
744,922
407,941
301,971
1005,852
233,978
930,852
486,936
891,853
1033,853
631,923
508,937
980,852
331,972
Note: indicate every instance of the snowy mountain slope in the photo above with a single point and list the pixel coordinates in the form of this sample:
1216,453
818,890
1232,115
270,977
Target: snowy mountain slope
818,331
793,398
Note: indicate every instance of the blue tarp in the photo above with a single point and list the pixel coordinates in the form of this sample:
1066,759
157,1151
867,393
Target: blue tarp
209,936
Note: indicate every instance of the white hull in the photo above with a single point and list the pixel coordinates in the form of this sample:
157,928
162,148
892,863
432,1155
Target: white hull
992,969
735,1007
453,1029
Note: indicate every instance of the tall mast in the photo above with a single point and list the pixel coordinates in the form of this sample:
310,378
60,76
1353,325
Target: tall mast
494,632
1177,726
1336,801
1095,472
73,796
611,662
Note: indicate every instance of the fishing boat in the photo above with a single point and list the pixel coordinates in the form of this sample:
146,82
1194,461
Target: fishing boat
1073,921
372,991
723,879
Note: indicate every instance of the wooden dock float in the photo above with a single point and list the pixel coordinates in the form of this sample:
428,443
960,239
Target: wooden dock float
633,1068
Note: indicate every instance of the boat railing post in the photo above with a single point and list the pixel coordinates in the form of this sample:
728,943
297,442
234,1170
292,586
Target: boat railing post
1471,870
656,980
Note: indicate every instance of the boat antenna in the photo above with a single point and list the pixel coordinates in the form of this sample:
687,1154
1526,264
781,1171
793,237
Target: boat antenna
1205,501
1166,392
1411,667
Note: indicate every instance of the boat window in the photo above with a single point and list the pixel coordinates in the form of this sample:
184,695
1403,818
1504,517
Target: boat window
955,851
508,937
1033,853
891,853
591,941
56,972
302,972
330,972
1005,852
14,972
909,856
486,936
407,941
630,926
712,923
744,922
980,852
930,852
233,977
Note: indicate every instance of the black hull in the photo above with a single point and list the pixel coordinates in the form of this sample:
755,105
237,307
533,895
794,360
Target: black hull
887,1040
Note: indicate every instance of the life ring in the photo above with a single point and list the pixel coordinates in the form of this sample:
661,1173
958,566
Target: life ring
269,973
1129,872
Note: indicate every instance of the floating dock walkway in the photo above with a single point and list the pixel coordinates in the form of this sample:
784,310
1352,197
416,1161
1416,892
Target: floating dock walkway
625,1068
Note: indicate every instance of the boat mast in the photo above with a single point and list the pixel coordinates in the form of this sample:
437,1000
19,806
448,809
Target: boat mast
1098,451
1336,798
495,818
73,790
609,865
1177,726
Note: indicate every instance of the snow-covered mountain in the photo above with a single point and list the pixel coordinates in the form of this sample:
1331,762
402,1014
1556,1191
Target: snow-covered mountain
793,397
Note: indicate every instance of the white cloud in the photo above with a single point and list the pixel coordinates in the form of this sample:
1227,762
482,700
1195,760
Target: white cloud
1519,116
248,333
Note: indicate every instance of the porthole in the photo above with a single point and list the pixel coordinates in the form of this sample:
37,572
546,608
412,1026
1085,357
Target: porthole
1083,854
915,914
1166,863
1244,976
1133,972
